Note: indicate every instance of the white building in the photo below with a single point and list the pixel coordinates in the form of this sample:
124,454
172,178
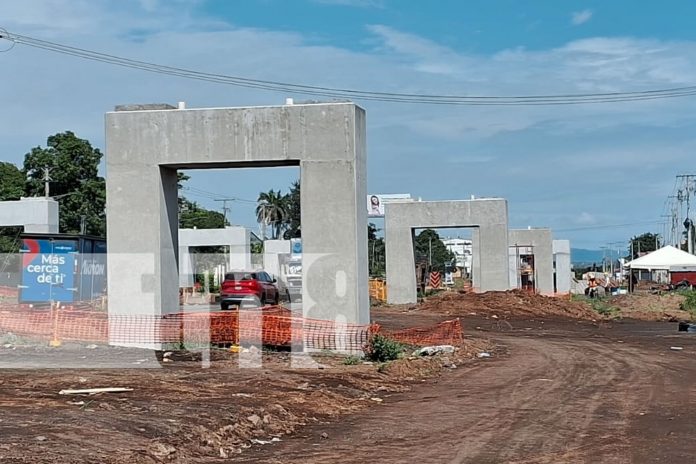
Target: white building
462,250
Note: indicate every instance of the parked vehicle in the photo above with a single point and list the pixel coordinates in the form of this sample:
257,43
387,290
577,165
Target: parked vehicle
291,271
253,287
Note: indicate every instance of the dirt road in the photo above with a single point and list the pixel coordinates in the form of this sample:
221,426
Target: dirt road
564,393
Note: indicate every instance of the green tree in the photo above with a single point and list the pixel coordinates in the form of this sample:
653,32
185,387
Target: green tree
192,215
75,182
294,217
429,246
11,182
643,243
11,188
272,211
376,252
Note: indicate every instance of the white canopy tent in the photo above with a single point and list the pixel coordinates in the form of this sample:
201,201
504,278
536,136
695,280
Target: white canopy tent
667,258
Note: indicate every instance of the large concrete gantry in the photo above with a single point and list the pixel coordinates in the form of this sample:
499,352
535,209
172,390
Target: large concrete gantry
487,217
145,146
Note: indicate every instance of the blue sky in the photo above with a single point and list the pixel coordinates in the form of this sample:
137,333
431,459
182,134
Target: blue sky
575,169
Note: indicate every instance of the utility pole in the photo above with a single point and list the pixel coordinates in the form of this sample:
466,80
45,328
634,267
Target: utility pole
47,180
688,223
225,209
430,251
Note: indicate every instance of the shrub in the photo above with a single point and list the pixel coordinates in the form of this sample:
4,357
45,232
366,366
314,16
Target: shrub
689,303
352,360
381,348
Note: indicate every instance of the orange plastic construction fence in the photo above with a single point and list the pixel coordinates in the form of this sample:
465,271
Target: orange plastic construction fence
444,333
271,326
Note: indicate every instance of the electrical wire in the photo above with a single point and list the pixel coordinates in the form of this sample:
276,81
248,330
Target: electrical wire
610,226
343,93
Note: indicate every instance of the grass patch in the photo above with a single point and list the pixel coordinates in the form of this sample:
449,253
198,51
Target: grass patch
352,360
602,307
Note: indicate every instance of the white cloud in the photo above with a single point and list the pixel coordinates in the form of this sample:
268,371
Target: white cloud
581,17
585,218
507,151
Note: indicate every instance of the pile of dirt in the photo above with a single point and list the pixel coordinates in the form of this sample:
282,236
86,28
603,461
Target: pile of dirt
508,303
651,307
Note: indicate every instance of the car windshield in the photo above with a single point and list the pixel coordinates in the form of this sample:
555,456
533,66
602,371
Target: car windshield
239,276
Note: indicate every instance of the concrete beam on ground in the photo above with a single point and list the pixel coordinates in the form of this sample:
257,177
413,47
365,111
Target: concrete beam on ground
488,217
144,150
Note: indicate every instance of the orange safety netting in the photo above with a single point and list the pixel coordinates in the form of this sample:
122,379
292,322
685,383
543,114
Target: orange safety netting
444,333
271,326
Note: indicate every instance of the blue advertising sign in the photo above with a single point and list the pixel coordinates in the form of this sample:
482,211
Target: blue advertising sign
48,270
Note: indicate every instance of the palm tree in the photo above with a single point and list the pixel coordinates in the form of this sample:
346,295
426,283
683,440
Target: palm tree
272,211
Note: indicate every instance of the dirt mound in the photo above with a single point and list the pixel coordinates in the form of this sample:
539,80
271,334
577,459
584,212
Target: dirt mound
508,303
650,307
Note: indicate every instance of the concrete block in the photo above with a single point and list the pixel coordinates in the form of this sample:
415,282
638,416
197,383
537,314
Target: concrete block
36,215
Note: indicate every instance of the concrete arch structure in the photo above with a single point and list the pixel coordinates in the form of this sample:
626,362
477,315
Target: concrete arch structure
488,218
144,148
35,215
238,239
540,243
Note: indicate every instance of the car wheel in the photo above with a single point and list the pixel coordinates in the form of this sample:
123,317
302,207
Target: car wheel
276,300
224,306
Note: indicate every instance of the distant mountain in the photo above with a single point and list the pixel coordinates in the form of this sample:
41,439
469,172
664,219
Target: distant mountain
584,256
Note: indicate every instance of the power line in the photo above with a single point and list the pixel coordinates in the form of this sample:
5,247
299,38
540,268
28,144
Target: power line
610,226
322,91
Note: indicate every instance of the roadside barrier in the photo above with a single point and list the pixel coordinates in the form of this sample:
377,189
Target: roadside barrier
444,333
270,326
378,289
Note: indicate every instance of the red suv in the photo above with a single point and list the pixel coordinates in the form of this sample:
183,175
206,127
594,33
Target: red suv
255,286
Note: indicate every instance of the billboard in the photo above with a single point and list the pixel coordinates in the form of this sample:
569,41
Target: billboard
375,203
375,206
48,270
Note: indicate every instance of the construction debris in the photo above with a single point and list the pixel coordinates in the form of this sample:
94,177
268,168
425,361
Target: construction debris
433,350
93,391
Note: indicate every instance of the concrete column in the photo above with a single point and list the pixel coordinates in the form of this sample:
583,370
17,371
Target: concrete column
334,265
271,250
186,277
402,287
475,259
240,248
561,253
